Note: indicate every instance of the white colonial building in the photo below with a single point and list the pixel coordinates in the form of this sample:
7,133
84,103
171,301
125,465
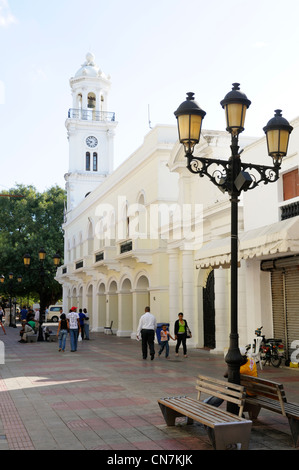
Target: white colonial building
152,233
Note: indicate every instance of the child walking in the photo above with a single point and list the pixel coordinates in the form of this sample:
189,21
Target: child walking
165,335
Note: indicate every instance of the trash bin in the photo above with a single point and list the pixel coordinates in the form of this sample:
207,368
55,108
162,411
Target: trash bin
158,330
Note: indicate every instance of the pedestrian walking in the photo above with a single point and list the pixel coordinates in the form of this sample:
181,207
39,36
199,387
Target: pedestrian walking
164,343
180,333
81,322
37,318
24,312
146,328
62,332
74,327
86,324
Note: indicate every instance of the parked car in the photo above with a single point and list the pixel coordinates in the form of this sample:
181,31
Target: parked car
53,313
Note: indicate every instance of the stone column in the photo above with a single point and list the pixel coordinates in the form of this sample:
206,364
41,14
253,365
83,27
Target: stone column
222,312
188,290
174,287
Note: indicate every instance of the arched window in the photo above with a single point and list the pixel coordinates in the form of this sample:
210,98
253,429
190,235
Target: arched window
87,160
95,161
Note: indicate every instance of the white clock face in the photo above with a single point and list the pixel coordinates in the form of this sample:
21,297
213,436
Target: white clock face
91,141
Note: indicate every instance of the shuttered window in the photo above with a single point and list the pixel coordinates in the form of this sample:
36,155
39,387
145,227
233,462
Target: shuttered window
290,184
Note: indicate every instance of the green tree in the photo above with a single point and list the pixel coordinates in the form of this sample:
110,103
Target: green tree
29,221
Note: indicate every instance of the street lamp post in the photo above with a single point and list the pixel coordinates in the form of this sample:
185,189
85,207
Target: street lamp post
42,273
12,317
232,176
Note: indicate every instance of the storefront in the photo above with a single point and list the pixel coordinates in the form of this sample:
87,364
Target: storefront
285,300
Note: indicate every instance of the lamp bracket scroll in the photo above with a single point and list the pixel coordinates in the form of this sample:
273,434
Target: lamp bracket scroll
220,173
206,167
261,173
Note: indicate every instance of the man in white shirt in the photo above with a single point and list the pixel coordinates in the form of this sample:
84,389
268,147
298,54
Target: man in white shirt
147,327
74,327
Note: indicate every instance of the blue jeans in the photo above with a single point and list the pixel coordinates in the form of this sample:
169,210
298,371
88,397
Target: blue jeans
74,338
86,330
164,344
62,339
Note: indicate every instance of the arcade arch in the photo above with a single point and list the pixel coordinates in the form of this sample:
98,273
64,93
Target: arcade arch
125,308
142,295
112,304
101,313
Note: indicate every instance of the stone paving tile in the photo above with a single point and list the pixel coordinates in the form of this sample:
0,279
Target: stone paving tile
104,397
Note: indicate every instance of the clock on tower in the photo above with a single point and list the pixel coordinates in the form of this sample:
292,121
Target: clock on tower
91,141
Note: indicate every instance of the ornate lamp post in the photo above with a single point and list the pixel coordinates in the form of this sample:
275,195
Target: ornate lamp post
42,273
232,176
12,316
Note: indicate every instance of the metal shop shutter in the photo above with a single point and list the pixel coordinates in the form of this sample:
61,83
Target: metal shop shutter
278,305
292,304
285,304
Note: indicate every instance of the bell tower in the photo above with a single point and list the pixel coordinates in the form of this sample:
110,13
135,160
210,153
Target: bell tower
91,129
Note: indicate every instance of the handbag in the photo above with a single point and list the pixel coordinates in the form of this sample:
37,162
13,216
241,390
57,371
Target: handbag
188,332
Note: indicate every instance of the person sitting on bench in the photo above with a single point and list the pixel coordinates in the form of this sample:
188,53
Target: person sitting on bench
25,332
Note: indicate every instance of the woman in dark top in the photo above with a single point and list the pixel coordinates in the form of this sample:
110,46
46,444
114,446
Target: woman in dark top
62,332
180,331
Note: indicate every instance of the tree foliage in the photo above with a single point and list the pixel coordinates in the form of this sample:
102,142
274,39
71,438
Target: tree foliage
29,221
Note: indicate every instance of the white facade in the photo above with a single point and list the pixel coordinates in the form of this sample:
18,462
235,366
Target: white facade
152,233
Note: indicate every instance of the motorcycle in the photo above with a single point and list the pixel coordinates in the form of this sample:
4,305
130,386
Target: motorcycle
271,350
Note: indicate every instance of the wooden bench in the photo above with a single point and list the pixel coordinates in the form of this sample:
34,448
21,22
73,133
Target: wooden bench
32,338
225,430
52,337
271,396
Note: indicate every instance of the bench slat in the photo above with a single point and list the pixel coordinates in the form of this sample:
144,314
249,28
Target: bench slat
292,409
234,393
223,383
226,388
200,411
273,405
220,394
265,388
217,414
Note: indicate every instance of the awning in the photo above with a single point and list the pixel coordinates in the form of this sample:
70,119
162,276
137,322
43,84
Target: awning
279,238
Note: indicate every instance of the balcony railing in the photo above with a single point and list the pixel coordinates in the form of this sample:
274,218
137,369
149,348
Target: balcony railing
126,246
91,115
79,264
290,210
99,256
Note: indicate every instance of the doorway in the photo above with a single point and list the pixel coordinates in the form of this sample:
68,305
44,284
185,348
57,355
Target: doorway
209,312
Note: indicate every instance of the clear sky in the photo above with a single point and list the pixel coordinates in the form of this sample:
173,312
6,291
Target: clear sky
155,52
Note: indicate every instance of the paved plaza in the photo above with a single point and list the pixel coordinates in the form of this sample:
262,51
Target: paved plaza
104,397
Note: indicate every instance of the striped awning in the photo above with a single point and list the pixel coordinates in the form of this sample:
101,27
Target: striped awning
281,238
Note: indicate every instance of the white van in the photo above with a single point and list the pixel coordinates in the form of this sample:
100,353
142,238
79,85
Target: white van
53,313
